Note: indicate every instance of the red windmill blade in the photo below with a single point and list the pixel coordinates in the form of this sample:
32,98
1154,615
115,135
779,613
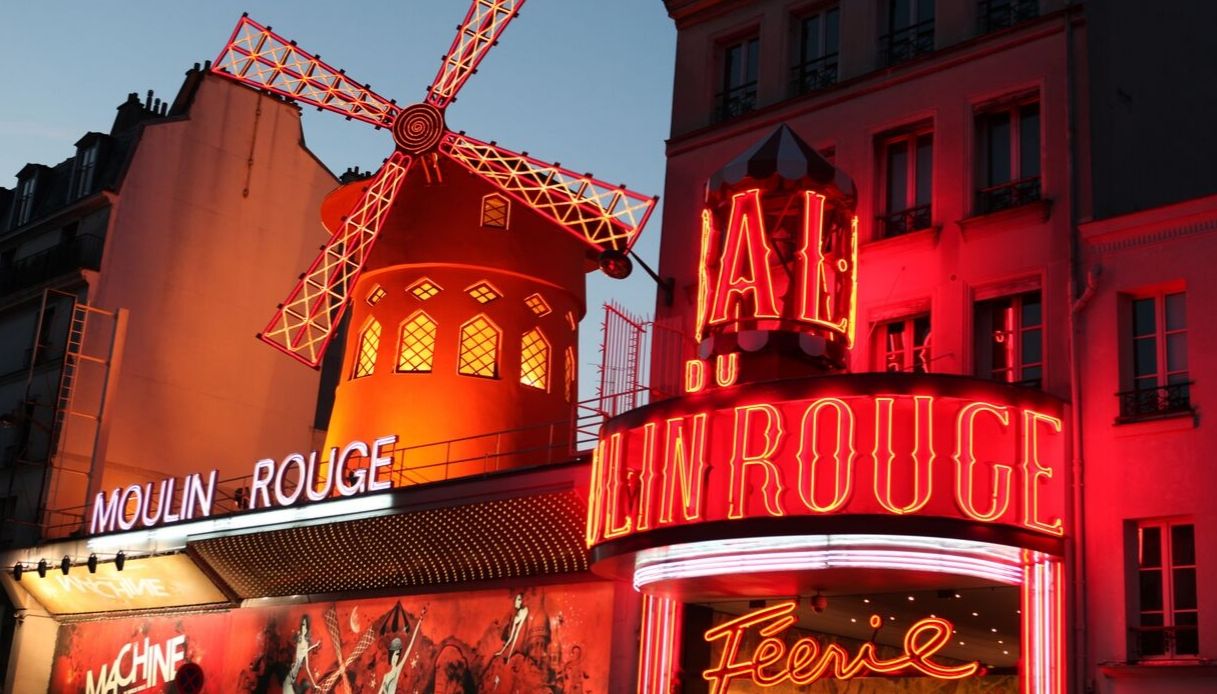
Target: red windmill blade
605,217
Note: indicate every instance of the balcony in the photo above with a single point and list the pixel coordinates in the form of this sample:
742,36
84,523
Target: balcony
1147,403
1000,14
907,43
83,252
735,101
1007,195
813,75
905,221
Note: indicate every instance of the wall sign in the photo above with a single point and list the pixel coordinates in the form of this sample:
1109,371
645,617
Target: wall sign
354,469
773,661
869,444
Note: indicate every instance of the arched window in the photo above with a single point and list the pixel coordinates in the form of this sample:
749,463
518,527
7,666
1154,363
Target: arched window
369,344
416,350
570,373
479,354
496,210
534,360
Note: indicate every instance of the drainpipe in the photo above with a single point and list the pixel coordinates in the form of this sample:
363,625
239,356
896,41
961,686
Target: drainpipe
1076,550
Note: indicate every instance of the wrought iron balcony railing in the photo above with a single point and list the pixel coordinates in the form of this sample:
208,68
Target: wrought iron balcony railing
735,102
82,252
905,221
907,43
1007,195
1142,403
813,75
999,14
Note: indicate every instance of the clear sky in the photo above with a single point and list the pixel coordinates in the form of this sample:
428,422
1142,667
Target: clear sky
584,82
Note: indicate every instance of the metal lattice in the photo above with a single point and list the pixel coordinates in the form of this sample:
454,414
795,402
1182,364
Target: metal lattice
417,349
601,215
479,348
369,345
534,360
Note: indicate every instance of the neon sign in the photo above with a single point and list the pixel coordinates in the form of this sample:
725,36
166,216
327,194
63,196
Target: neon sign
787,270
807,660
275,483
876,444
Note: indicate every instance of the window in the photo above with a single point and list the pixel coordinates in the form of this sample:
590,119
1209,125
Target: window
1167,624
904,345
1010,339
374,296
1008,156
86,166
482,292
910,26
495,211
569,385
536,303
1159,357
999,14
417,348
906,163
369,344
816,48
534,360
424,289
739,65
24,206
479,355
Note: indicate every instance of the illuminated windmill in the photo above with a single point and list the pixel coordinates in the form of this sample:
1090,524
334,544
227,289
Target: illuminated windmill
460,283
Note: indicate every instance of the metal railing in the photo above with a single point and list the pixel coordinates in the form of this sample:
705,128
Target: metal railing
735,101
1006,195
82,252
1141,403
907,43
813,75
905,221
999,14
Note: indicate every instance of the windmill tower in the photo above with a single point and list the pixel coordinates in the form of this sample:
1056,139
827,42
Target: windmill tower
461,262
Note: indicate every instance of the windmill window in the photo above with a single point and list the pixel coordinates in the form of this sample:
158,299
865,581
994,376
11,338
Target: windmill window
536,304
479,354
483,292
424,289
534,360
496,211
417,348
570,320
374,296
570,374
369,345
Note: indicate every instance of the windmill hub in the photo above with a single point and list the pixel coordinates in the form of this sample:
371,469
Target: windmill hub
418,128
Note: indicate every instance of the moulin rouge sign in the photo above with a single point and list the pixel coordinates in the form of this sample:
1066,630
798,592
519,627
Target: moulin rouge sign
879,444
351,470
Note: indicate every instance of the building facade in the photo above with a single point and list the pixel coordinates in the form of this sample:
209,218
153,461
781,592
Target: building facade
928,376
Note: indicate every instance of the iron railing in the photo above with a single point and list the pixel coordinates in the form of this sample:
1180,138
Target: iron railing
1141,403
999,14
813,75
735,101
905,221
1006,195
82,252
907,43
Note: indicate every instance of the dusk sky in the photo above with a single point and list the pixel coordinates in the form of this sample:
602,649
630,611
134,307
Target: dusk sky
583,82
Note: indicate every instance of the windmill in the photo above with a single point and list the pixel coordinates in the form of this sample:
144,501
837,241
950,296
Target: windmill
417,200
